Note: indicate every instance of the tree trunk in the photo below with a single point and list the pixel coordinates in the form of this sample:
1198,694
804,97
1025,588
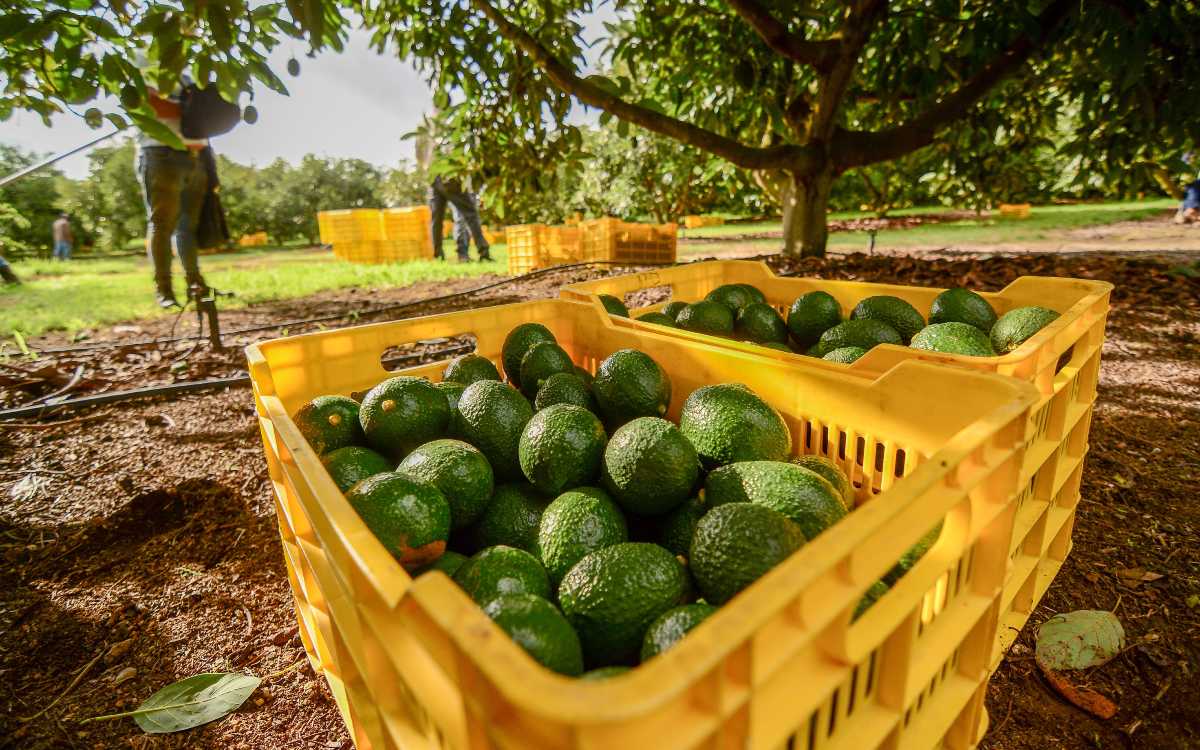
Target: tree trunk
805,203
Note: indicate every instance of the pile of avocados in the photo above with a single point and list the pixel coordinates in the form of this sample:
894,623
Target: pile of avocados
960,322
592,530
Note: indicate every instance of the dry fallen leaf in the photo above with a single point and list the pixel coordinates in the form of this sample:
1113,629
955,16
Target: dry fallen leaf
1078,640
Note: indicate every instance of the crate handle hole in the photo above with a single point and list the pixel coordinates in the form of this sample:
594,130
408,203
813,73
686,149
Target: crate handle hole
403,356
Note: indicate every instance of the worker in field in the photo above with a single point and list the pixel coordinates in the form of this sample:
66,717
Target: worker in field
1189,210
179,183
64,238
466,218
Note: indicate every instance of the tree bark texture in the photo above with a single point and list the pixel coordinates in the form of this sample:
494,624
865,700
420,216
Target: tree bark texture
805,202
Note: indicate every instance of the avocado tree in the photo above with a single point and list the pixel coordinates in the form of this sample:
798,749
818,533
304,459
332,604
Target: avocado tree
802,91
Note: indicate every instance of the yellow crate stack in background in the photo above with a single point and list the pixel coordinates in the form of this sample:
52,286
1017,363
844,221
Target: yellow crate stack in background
414,663
354,233
611,239
406,234
372,235
695,222
534,246
257,239
1015,210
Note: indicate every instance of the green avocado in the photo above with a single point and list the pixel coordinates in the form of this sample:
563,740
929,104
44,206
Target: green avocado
575,524
459,471
649,466
562,447
671,626
802,495
954,338
401,413
729,422
613,594
628,385
329,423
539,628
736,544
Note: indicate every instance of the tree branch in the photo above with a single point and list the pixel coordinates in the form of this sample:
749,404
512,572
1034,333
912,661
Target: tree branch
855,31
857,148
792,157
818,54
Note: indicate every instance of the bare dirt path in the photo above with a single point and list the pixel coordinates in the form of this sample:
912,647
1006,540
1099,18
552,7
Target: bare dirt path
1157,237
138,544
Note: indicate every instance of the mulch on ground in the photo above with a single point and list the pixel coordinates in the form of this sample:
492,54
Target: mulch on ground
138,543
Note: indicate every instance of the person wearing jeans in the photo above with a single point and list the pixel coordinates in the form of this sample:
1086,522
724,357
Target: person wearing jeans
1189,210
63,237
466,218
174,183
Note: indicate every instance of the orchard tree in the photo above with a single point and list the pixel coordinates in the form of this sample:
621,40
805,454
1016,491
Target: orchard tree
800,91
29,206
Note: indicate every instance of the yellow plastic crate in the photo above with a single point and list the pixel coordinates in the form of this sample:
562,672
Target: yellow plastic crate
416,664
407,234
366,251
625,242
695,222
1015,210
1062,361
534,246
350,225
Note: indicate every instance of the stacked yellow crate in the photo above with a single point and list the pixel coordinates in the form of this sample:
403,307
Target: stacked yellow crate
619,241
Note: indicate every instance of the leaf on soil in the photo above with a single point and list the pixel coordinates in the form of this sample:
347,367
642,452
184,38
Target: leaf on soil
194,701
1193,601
1122,482
191,702
1078,640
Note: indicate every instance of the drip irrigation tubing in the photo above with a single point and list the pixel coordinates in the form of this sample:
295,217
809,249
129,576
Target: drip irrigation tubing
41,411
338,316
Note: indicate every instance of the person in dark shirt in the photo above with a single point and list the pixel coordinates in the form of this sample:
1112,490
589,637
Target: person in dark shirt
466,218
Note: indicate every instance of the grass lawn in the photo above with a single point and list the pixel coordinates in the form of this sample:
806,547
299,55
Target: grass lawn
1043,221
82,293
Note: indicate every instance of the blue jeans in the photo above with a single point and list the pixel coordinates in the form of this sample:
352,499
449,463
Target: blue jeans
466,218
1191,196
62,249
173,186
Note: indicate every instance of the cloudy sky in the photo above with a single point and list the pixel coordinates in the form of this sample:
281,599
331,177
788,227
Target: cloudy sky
353,104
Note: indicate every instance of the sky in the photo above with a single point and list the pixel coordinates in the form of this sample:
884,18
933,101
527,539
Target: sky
350,104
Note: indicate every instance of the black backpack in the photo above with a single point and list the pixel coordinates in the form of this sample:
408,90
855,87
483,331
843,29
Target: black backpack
203,113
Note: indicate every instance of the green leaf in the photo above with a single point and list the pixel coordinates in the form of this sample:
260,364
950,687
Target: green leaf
191,702
156,130
1078,640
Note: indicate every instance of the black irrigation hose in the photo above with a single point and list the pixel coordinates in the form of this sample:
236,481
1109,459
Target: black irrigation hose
338,316
170,389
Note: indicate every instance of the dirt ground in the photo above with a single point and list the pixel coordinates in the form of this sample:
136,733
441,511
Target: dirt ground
138,542
1157,237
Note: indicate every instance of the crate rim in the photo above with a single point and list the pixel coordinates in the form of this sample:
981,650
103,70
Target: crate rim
629,695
